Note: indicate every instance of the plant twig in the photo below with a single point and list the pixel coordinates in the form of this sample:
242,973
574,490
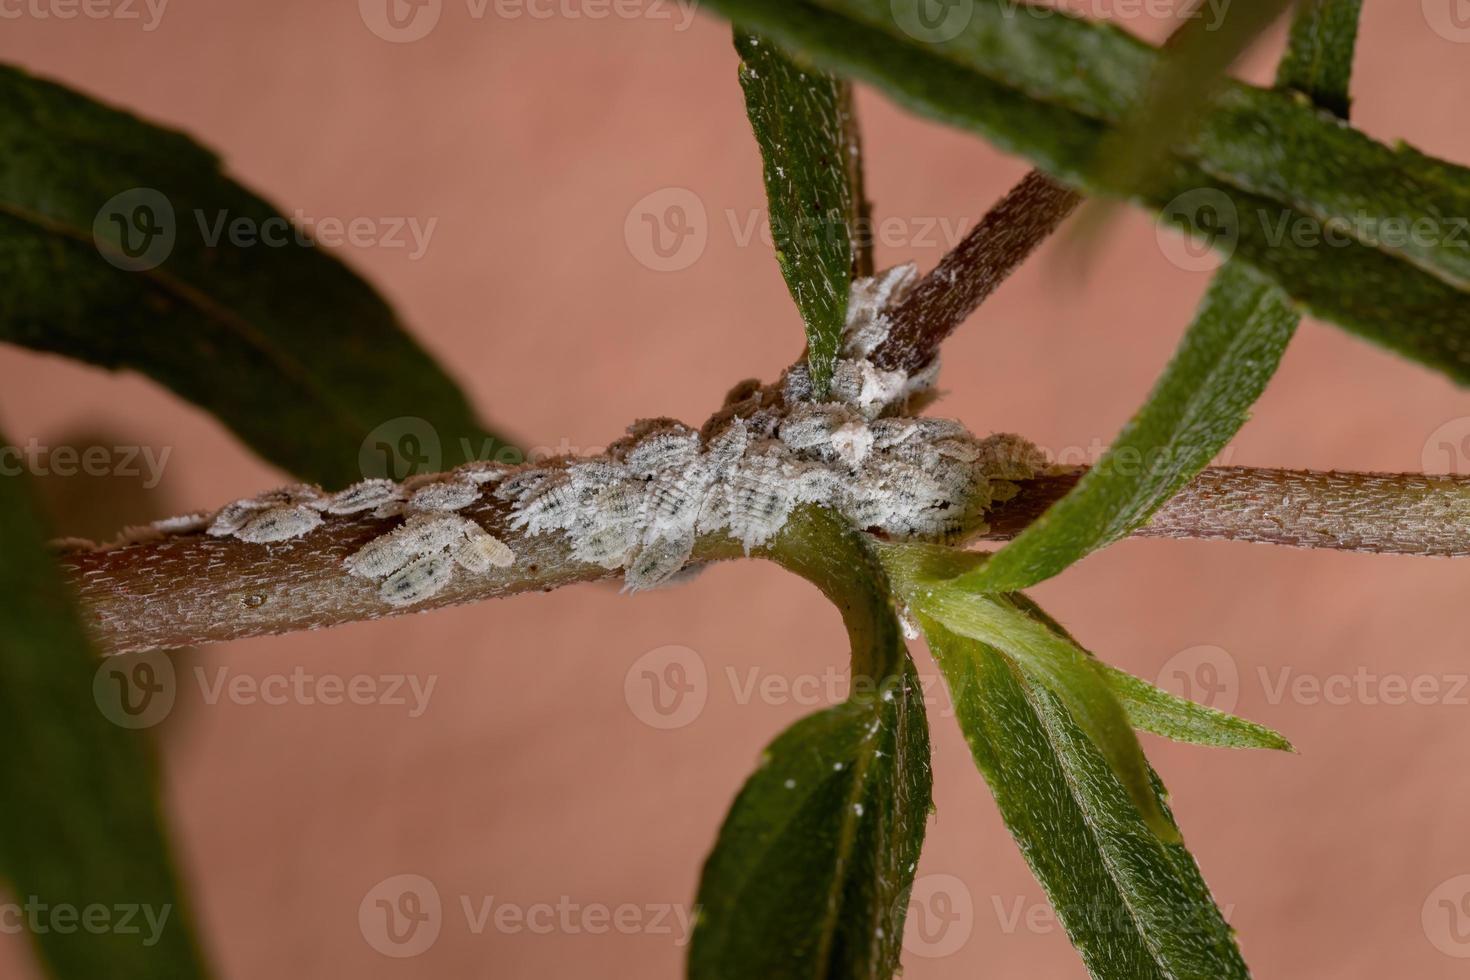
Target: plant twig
1379,513
965,277
193,589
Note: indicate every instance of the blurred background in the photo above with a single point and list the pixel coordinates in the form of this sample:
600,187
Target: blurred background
520,759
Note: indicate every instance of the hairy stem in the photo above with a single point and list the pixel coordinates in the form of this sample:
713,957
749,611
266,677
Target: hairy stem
968,274
192,589
1393,514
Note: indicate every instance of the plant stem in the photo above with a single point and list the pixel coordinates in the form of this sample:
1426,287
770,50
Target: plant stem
193,589
969,273
1394,514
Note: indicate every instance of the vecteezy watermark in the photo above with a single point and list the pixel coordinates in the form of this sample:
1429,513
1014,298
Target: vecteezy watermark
409,446
941,916
1207,674
1446,917
404,21
403,916
1201,228
1210,676
140,690
1447,450
148,13
138,229
1097,916
97,919
667,687
1450,19
37,459
669,229
933,21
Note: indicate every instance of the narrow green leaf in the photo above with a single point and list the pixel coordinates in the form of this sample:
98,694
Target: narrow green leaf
925,575
129,249
1193,62
1227,356
1366,236
805,124
1319,57
811,873
1133,903
81,834
1063,669
1154,710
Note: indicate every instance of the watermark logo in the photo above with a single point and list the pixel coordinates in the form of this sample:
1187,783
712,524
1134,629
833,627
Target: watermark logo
148,12
1450,19
667,230
96,919
400,448
135,690
933,21
1205,674
136,229
667,687
1198,230
130,462
1446,917
140,690
401,916
1447,450
941,916
400,21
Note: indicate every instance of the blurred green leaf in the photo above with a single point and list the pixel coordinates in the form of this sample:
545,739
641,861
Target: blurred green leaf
811,874
1224,362
1133,903
1365,236
805,124
118,237
1319,56
82,841
1190,68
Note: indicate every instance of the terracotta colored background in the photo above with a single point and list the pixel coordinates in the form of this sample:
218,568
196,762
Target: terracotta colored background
530,777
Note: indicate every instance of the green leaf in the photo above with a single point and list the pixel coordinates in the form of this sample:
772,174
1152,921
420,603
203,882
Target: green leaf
118,238
1319,56
1273,171
1192,64
805,124
925,576
81,834
811,874
1200,402
1133,903
1153,710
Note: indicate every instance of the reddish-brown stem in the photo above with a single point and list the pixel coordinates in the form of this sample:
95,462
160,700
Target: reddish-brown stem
965,277
193,589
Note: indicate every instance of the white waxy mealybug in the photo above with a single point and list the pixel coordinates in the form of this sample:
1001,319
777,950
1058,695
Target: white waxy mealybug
367,495
448,495
483,550
640,506
279,524
417,558
292,510
183,524
417,581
